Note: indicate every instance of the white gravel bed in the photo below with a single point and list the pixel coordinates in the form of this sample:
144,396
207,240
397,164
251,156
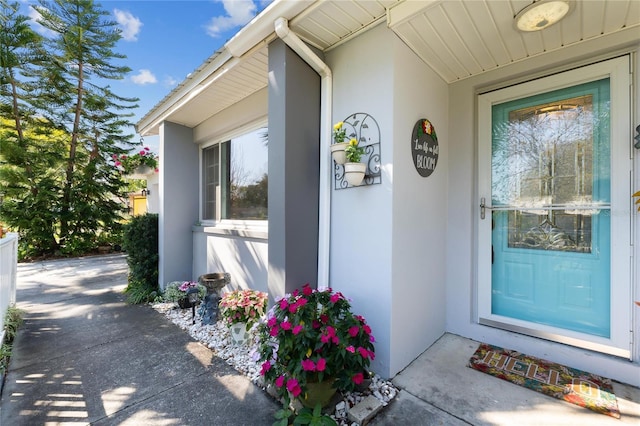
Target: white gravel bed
216,337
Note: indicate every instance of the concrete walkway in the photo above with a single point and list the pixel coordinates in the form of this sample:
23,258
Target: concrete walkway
85,357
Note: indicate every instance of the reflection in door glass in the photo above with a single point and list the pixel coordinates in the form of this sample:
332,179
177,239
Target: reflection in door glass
544,174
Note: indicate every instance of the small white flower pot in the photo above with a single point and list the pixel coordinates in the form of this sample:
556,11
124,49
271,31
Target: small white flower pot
338,153
354,173
239,333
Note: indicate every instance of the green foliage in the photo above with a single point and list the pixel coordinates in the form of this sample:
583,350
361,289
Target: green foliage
60,125
314,417
306,416
282,417
12,321
177,290
353,151
140,240
311,336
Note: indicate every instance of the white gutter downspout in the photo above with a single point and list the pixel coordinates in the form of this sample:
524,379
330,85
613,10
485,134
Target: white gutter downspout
326,88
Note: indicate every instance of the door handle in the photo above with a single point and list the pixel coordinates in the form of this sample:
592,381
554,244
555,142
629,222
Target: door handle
483,206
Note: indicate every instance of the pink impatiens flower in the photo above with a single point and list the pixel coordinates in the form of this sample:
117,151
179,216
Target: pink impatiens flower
285,325
283,304
297,329
294,387
308,365
321,364
351,349
363,352
353,331
279,381
357,378
265,367
307,290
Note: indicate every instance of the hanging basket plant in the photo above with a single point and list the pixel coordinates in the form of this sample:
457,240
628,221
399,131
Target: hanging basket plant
142,163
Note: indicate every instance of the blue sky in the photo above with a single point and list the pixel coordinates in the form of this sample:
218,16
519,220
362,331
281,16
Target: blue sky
164,41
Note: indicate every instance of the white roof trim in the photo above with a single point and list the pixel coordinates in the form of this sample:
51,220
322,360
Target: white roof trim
255,33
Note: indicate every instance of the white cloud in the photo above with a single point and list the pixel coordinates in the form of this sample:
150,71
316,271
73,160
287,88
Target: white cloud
239,12
35,17
170,81
129,24
144,77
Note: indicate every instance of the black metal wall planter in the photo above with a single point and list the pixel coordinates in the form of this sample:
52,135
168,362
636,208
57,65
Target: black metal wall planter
365,129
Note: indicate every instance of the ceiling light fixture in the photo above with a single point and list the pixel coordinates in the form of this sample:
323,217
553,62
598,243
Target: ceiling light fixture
542,14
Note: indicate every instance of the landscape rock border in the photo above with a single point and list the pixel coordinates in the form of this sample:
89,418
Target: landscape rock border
354,409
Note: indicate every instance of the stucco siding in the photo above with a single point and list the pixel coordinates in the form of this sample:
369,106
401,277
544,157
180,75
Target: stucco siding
178,204
245,258
360,258
419,211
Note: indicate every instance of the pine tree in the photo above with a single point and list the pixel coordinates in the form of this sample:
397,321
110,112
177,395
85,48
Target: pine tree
60,123
29,145
77,96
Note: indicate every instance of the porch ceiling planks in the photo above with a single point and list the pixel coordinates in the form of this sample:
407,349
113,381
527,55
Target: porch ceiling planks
462,38
456,38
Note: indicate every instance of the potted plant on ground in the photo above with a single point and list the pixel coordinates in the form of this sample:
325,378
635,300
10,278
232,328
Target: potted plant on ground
339,145
176,291
354,170
311,345
241,309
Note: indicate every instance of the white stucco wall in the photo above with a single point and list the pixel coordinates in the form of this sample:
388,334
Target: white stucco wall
360,252
419,209
178,202
153,198
463,208
387,240
246,259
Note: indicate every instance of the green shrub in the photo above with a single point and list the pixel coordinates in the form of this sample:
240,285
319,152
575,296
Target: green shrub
12,320
177,290
140,240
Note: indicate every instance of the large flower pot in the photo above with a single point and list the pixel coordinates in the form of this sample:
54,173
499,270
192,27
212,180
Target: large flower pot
354,173
338,153
239,333
318,393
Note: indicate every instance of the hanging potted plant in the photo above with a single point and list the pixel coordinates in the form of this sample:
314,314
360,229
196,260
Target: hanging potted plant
311,345
339,145
354,170
138,165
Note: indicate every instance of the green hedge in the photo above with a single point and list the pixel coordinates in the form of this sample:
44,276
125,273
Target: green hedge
141,243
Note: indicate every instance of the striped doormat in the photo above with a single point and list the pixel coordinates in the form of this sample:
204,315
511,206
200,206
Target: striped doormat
575,386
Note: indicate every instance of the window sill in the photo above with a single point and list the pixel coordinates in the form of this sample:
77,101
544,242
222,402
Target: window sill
258,233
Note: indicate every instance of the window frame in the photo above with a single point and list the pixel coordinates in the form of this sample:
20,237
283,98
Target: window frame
238,224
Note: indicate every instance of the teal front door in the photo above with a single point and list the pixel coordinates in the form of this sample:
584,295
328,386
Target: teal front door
552,209
550,216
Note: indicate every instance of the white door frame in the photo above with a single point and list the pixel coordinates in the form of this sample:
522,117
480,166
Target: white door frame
618,70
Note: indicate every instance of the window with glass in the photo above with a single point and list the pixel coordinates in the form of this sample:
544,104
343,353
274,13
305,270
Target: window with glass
235,178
